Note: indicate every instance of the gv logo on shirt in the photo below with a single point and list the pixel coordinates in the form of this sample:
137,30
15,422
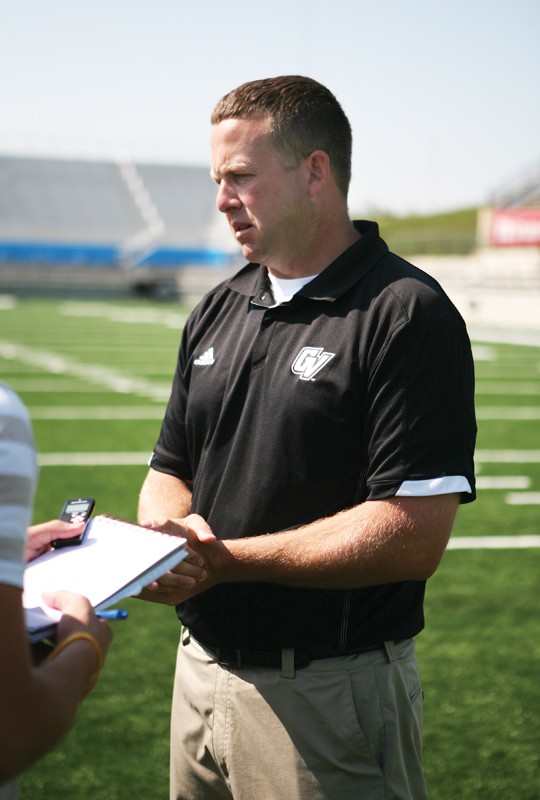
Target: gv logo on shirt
310,361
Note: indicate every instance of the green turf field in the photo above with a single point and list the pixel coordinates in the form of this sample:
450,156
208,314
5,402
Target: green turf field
96,377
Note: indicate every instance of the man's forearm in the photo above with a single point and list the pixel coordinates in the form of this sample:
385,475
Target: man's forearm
377,542
163,497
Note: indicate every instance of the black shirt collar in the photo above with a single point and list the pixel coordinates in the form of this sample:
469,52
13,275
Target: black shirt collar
346,270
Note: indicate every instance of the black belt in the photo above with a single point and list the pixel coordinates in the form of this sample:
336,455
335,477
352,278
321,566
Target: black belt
231,657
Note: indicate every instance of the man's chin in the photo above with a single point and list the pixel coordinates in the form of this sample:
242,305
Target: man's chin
250,253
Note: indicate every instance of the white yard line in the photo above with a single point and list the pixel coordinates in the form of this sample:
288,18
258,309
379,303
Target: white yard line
522,499
105,413
492,542
140,316
514,413
507,456
114,459
503,482
96,374
54,385
508,387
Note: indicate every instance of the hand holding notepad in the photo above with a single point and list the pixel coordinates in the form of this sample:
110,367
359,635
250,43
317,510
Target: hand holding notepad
116,560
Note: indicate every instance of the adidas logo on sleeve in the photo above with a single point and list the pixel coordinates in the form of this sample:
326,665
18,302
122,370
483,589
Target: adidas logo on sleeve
206,359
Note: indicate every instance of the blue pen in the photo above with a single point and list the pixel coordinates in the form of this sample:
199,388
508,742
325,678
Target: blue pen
114,613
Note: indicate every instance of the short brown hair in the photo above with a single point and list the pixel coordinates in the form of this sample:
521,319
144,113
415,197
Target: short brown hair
305,116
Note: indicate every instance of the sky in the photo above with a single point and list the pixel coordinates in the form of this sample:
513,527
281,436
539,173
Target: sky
442,97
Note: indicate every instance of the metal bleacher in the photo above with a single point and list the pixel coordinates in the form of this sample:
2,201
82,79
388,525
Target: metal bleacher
166,184
107,226
64,201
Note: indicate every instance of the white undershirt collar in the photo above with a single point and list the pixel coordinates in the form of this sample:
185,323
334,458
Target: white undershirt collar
284,289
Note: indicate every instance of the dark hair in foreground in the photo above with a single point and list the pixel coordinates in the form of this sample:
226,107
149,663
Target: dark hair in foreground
305,116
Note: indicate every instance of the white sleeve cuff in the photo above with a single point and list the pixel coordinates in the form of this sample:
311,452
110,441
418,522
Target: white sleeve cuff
448,484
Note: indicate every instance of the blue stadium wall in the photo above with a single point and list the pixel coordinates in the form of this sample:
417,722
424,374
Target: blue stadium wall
107,255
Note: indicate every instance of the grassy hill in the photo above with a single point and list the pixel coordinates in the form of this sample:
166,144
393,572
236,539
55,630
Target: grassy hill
451,233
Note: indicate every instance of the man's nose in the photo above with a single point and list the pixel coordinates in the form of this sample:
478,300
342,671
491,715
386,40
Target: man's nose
226,198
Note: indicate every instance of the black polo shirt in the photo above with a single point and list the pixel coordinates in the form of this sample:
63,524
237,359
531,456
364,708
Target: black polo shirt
283,415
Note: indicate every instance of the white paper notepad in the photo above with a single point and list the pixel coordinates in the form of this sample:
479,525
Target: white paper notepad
116,560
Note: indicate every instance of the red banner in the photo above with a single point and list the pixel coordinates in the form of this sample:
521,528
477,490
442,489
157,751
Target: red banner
515,227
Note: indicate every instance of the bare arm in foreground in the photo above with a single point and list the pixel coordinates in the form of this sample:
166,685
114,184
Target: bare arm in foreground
39,704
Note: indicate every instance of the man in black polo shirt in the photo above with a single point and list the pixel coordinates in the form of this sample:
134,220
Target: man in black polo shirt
318,440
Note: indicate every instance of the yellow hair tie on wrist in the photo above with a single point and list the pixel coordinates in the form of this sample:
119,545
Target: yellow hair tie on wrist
82,635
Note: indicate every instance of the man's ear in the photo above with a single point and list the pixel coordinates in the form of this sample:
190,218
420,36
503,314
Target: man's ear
318,164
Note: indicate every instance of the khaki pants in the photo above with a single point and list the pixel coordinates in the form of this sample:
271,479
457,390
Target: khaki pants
344,728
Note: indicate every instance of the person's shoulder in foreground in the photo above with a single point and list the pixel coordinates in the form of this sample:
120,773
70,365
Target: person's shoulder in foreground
38,702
